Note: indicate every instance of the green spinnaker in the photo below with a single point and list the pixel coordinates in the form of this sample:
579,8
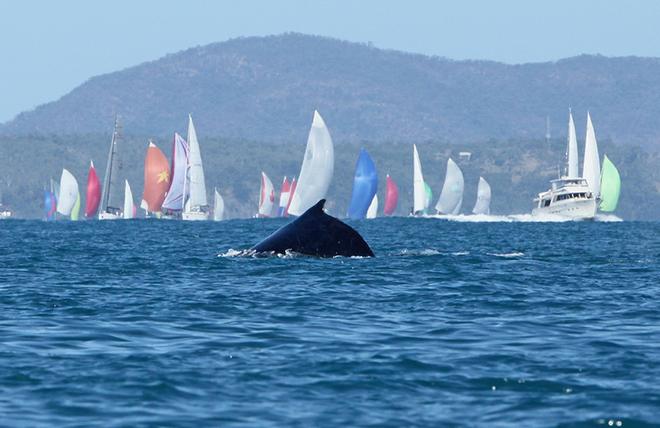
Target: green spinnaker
429,197
75,212
610,186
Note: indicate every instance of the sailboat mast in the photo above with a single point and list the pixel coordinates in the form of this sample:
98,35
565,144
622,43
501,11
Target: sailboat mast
105,193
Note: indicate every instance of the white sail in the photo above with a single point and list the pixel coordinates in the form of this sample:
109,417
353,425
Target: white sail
591,167
317,168
572,149
174,198
482,206
196,183
372,212
218,207
128,201
419,190
451,196
266,196
68,193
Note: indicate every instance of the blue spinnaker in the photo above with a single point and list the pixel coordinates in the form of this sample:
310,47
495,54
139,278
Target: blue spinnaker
49,205
365,185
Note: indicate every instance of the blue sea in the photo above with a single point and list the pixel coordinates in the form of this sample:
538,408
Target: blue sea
165,323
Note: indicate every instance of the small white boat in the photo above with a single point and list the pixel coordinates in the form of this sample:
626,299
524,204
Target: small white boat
218,206
266,197
482,206
419,187
69,202
129,206
316,170
5,212
110,196
451,196
372,212
196,206
572,196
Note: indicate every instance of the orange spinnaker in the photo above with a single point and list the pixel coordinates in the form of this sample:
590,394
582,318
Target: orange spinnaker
156,178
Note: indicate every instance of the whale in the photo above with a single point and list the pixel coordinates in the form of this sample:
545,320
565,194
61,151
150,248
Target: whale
318,234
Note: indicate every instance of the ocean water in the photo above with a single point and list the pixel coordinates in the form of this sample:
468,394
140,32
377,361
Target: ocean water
161,323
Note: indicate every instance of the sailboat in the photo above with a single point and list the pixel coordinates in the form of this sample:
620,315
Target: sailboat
316,170
610,186
156,179
129,206
266,196
50,202
573,196
196,206
173,203
110,196
419,187
294,184
69,195
5,212
451,196
365,186
372,211
93,198
55,190
75,212
285,195
428,197
218,206
482,205
391,196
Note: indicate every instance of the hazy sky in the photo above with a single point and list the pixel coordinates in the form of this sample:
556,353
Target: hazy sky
48,47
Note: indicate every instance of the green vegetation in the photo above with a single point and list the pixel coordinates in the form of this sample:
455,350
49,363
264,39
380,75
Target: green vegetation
516,169
265,88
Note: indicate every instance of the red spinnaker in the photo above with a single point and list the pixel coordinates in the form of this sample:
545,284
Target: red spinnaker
93,192
391,196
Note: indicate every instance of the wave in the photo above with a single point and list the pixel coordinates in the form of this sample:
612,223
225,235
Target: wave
429,252
507,255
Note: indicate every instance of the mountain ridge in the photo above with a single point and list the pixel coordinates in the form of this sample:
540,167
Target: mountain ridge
265,88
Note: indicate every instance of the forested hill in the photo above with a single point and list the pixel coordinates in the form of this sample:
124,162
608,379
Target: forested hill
265,88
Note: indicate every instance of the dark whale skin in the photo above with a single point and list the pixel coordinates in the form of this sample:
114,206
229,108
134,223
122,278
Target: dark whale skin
316,233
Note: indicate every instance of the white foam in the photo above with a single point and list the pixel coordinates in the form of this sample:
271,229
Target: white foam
507,255
608,218
518,218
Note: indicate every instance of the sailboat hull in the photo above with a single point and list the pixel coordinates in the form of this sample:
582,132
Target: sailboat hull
194,215
108,216
574,209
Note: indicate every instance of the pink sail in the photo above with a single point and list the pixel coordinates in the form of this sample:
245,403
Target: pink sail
391,196
93,192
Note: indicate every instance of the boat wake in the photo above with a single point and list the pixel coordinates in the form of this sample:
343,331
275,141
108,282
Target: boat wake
518,218
608,218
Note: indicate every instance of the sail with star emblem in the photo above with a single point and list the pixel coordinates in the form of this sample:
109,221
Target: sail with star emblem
156,179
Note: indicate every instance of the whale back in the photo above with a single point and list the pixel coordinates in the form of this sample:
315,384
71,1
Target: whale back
316,233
